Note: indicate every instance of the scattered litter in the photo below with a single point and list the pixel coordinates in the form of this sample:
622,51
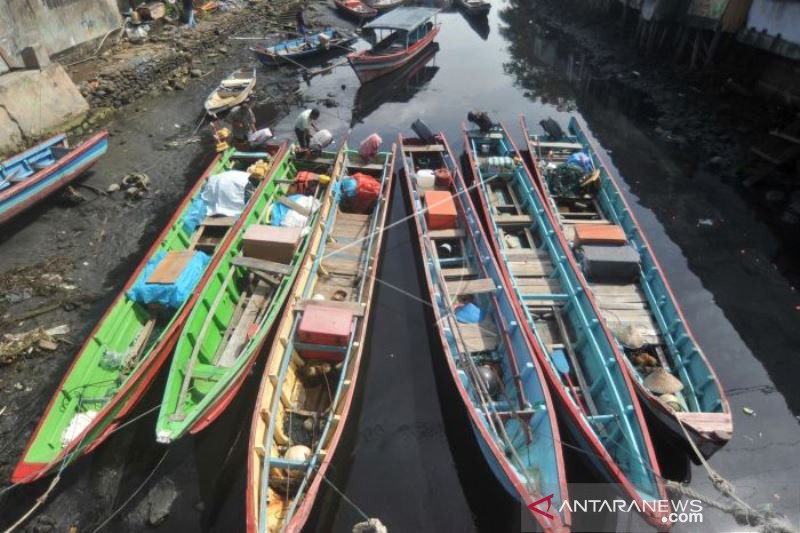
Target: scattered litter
18,344
114,187
19,386
136,185
748,411
3,410
705,222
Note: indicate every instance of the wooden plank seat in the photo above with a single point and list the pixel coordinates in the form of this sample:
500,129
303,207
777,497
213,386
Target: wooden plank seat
251,263
474,286
530,269
526,253
425,148
222,222
513,220
458,273
446,234
356,308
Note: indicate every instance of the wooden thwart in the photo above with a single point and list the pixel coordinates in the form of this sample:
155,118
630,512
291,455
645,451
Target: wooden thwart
446,234
291,204
223,222
356,308
426,148
513,220
261,264
479,337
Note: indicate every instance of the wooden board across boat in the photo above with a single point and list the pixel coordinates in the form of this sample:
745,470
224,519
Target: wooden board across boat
95,395
515,424
304,402
645,306
584,369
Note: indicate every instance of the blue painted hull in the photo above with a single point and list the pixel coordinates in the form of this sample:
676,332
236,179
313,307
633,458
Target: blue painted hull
281,54
23,194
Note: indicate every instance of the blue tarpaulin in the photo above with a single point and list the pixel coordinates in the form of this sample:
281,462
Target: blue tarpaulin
469,314
194,215
170,295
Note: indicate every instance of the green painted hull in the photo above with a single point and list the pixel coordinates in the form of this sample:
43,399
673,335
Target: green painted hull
89,386
189,406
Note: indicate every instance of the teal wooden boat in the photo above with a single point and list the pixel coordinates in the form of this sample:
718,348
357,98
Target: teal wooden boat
491,359
583,367
237,306
672,375
308,385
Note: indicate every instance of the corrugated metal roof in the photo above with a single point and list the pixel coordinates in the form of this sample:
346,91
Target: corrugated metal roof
403,18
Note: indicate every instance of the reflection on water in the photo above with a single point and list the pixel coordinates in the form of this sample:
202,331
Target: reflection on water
399,86
479,24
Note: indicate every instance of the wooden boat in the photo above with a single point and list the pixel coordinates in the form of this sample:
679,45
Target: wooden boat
585,371
294,50
304,401
232,91
511,411
398,86
235,310
382,6
645,303
410,30
475,8
34,174
356,9
95,394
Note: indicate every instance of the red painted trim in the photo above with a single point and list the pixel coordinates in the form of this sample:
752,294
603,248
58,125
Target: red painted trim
158,354
363,60
622,479
547,525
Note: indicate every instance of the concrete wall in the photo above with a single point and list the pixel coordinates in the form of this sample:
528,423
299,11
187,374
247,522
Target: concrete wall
774,25
34,103
56,25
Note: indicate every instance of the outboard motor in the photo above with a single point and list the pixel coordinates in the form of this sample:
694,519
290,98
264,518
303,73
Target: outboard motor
552,129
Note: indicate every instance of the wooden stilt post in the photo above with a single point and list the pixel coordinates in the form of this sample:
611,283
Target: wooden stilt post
714,44
696,48
682,40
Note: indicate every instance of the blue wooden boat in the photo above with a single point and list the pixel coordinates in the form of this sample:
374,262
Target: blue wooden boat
29,177
491,360
642,311
294,50
582,365
307,389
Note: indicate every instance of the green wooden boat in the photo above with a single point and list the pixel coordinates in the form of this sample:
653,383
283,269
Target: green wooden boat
122,355
235,310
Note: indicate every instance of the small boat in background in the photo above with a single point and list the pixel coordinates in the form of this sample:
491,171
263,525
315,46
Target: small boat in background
491,360
294,50
584,369
241,298
232,91
410,30
312,371
672,375
132,340
31,176
382,6
475,8
356,9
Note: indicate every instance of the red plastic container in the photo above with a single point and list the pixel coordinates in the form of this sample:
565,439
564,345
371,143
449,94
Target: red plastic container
441,213
606,234
327,326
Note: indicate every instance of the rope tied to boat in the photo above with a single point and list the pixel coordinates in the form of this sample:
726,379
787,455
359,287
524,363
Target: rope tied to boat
765,520
369,525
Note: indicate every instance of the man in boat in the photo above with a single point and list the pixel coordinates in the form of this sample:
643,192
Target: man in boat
306,126
243,124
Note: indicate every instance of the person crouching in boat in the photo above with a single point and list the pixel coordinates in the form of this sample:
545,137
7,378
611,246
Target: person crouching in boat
243,124
306,126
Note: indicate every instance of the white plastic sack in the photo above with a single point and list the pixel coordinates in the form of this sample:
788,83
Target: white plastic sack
320,140
259,136
76,426
293,219
224,193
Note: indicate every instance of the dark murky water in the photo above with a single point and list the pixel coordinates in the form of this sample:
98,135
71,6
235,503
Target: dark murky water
408,455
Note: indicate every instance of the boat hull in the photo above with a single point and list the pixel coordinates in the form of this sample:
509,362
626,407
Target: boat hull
370,67
34,189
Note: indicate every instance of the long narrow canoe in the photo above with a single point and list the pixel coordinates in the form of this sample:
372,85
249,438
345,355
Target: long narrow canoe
582,365
645,303
237,306
29,177
293,50
511,411
94,396
231,91
307,388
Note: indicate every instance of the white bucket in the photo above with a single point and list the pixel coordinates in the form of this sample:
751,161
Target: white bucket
426,179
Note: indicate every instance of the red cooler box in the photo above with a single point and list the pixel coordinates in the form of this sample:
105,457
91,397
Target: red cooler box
327,326
441,213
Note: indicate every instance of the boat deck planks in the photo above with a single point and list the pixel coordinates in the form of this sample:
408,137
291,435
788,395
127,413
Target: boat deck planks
248,317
